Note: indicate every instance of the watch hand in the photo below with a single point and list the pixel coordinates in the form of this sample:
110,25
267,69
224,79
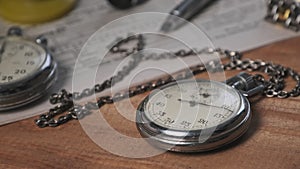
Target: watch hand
2,50
192,103
206,95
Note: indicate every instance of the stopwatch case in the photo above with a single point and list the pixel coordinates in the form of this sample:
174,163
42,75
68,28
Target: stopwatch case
194,140
31,88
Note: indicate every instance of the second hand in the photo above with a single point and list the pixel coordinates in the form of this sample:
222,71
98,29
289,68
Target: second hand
194,102
2,49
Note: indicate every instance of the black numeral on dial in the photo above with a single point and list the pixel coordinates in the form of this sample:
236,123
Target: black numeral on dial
28,54
20,71
30,63
7,78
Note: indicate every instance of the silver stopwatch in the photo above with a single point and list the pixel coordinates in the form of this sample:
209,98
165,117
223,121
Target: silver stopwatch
197,115
27,70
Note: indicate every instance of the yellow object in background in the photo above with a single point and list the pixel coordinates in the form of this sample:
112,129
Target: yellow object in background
34,11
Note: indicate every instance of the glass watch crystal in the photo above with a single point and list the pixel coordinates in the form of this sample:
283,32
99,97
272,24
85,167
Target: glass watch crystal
27,70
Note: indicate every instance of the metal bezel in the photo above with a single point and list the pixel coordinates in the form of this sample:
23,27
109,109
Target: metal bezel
188,141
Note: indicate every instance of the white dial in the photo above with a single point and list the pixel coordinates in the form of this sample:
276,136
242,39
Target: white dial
19,59
193,105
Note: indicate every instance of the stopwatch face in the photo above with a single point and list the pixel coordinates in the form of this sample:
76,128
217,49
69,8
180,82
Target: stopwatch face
19,60
193,105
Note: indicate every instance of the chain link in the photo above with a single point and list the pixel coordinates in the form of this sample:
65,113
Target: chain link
274,86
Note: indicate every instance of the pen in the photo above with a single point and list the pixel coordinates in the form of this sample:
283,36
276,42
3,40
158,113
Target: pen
184,11
125,4
2,49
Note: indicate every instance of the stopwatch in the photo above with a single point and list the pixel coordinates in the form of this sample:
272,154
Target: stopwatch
197,115
27,70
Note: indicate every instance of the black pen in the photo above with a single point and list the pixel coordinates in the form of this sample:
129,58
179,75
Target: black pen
126,4
184,11
2,49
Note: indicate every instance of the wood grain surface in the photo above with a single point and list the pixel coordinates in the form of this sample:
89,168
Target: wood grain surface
272,141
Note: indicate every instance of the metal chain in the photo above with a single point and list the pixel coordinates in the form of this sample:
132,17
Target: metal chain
273,86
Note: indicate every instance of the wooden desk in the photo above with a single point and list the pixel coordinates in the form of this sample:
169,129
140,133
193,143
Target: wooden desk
273,140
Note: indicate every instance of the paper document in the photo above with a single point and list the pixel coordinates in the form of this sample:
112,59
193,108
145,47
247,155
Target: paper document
229,24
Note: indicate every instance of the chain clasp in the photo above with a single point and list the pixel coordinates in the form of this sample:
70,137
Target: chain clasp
246,84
